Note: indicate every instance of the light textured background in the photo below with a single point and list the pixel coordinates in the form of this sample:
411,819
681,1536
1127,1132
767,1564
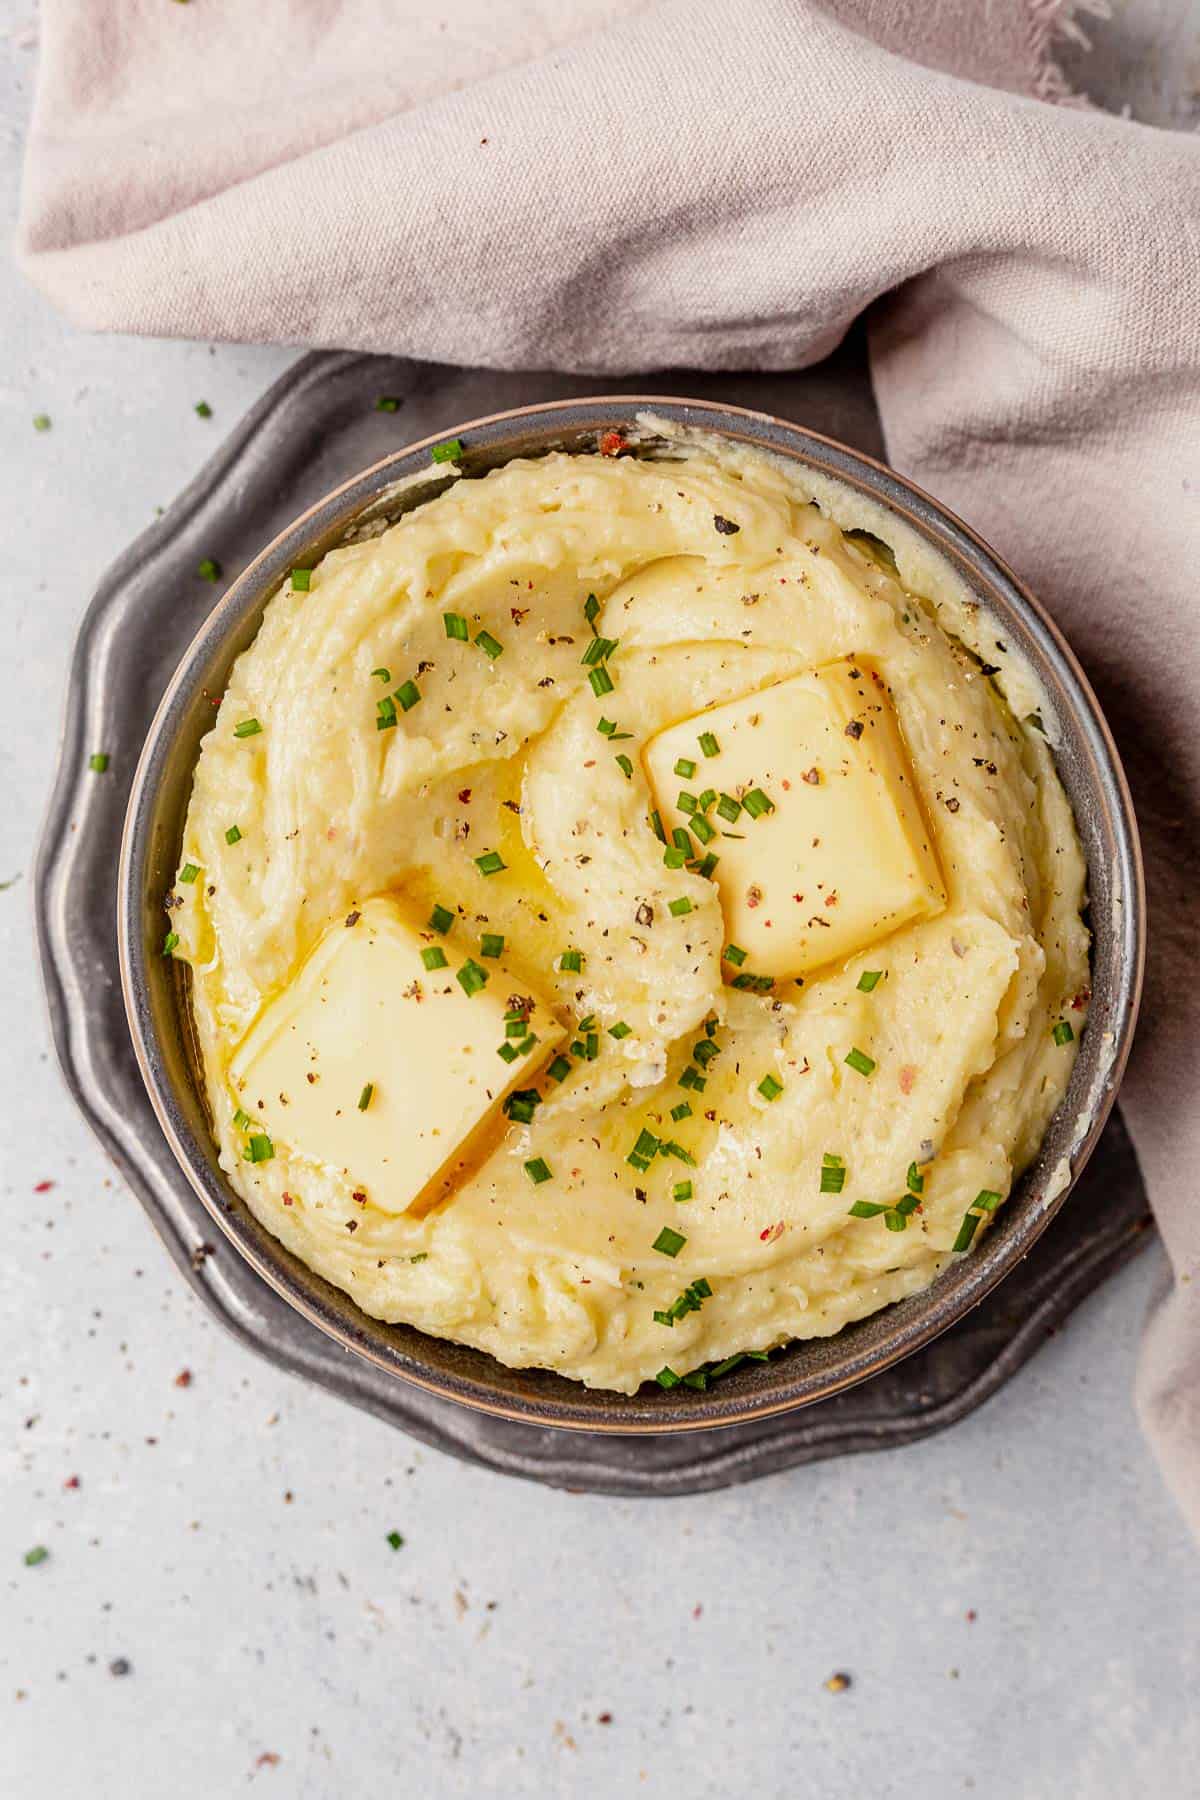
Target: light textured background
1015,1600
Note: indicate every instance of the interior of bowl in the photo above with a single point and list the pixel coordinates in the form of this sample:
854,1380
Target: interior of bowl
156,988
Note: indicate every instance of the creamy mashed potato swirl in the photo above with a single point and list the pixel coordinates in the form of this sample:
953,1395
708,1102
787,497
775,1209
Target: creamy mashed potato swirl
295,826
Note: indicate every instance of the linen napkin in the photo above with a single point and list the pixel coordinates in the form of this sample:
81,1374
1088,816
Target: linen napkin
603,185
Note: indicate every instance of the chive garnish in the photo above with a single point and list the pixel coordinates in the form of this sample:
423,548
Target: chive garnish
537,1170
666,1378
619,1030
706,867
209,569
673,857
449,452
895,1220
571,961
692,1078
682,1190
753,984
508,1052
916,1181
685,768
169,942
833,1174
709,744
682,841
259,1148
471,977
728,807
490,646
521,1105
1062,1033
987,1200
408,693
686,803
869,980
769,1088
247,728
385,712
682,1111
598,651
606,727
734,954
866,1209
966,1231
702,829
434,957
98,762
41,421
385,675
860,1062
625,766
387,403
39,1553
591,610
241,1119
559,1069
393,1537
681,907
656,825
491,944
756,803
233,835
490,863
440,920
668,1242
301,581
189,872
367,1095
456,626
644,1151
601,681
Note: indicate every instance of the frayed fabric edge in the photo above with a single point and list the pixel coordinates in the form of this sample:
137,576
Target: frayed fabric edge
1054,22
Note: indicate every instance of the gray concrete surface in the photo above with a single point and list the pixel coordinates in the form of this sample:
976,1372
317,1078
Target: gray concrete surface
1014,1601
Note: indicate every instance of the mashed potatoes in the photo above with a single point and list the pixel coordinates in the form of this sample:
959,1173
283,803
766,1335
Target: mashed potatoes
448,738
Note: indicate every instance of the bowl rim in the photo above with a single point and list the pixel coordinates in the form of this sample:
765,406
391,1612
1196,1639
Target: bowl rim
998,1255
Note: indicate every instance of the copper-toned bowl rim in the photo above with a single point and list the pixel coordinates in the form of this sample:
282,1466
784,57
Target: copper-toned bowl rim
806,1370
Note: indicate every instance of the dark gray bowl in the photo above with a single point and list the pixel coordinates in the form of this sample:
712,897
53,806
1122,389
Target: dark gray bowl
155,988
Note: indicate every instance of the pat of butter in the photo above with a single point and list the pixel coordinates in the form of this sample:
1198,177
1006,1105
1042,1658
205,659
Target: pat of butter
364,1012
843,856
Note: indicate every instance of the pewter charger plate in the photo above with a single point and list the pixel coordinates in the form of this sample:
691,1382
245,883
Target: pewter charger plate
314,428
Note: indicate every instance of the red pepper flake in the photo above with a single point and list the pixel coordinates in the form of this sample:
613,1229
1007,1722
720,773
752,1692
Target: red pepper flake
270,1759
908,1076
184,1378
772,1234
612,443
353,918
972,1615
753,896
604,1718
72,1483
1081,999
43,1187
360,1194
287,1199
696,1611
464,795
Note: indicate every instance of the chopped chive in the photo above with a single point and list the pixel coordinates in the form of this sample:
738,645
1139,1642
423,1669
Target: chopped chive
606,727
869,980
367,1095
756,803
516,1027
895,1220
598,651
682,1111
301,581
528,1044
421,1256
588,1024
706,867
449,452
408,693
731,1362
704,1051
440,920
491,944
687,803
987,1200
471,977
209,569
682,841
657,827
966,1231
860,1062
866,1209
644,1151
916,1181
619,1030
559,1069
385,714
434,958
259,1148
685,768
702,829
728,807
707,798
697,1379
625,766
664,1318
670,1148
489,645
98,762
668,1242
170,942
39,1553
1062,1033
456,626
189,872
666,1378
233,835
709,744
393,1537
734,954
571,961
833,1177
769,1088
509,1052
908,1204
241,1119
537,1170
693,1079
387,403
384,675
591,610
41,421
601,681
247,728
681,907
490,863
521,1105
682,1190
674,858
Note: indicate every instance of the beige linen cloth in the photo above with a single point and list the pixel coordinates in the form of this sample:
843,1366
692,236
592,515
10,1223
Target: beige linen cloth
603,185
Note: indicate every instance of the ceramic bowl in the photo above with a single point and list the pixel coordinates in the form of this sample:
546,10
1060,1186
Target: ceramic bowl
156,989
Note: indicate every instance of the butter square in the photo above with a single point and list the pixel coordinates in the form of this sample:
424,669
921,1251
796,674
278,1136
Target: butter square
843,856
363,1011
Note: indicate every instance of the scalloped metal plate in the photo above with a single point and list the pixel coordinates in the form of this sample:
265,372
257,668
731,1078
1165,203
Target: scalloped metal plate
314,428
